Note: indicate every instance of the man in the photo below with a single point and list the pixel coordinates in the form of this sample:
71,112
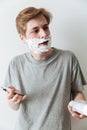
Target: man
48,77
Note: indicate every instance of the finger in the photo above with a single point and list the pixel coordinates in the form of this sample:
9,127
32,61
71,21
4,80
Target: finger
12,91
82,116
10,95
18,101
70,109
14,98
76,115
24,97
10,88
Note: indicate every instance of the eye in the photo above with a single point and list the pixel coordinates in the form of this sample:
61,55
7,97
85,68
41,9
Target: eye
46,27
36,31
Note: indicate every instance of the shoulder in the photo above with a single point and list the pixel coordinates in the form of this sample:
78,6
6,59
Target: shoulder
66,56
19,59
66,53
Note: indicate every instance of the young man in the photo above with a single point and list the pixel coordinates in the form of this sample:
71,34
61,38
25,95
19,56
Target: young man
48,77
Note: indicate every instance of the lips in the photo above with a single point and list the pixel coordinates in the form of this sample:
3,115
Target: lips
44,43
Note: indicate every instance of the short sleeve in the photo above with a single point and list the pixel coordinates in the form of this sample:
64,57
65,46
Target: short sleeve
78,80
10,75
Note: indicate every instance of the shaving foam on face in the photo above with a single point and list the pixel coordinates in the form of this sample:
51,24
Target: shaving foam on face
34,44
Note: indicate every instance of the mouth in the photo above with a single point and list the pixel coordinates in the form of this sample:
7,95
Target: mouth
43,43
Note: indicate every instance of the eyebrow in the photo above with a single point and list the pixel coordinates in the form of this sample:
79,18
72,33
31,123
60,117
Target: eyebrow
38,27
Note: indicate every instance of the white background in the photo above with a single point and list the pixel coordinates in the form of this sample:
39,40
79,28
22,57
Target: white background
69,31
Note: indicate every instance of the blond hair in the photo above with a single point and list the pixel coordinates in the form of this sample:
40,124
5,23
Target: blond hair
29,13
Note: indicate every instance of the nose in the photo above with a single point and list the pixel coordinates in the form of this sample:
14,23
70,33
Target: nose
43,33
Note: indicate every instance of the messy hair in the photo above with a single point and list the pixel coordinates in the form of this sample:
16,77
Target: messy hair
29,13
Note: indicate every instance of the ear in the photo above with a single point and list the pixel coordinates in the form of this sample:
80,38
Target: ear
22,37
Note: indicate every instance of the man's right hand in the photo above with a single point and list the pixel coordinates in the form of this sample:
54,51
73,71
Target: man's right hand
13,98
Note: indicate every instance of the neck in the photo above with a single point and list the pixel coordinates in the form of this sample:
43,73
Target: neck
42,56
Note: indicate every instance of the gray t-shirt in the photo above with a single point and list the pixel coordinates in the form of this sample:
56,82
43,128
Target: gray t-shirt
48,85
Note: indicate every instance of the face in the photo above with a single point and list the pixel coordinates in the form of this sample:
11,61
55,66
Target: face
37,28
37,35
